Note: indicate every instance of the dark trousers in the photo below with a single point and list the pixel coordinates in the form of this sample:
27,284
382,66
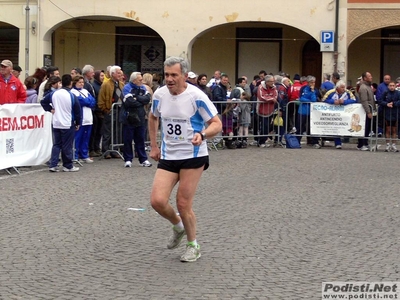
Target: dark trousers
255,125
292,112
137,134
97,131
303,125
265,125
63,142
364,142
107,127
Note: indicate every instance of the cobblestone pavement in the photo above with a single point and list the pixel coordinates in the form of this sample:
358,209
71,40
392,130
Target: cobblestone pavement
272,224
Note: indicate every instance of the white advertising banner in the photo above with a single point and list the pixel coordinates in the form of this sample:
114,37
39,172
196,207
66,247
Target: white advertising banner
25,135
341,120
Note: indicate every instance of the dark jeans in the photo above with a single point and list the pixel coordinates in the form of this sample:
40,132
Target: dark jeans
107,127
63,142
97,131
265,128
137,134
364,142
303,125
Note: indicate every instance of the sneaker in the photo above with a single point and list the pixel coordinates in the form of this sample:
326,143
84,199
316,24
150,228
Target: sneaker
317,146
87,160
363,148
265,145
394,148
254,143
379,134
53,169
175,239
191,254
146,163
73,169
338,146
128,164
293,130
388,147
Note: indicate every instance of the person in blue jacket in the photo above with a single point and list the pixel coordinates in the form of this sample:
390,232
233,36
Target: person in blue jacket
339,96
308,94
390,102
133,118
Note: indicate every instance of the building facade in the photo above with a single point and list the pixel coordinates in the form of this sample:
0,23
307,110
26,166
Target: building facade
235,37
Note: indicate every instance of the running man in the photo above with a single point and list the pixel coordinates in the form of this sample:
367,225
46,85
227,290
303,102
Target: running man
184,109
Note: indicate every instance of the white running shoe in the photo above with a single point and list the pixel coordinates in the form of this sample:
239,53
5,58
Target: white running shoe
128,164
175,239
146,163
87,160
73,169
191,254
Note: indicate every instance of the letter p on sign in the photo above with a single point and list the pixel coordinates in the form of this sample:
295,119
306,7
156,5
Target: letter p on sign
327,41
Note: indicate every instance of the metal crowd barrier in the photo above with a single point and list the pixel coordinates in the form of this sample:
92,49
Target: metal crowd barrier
302,125
291,119
260,127
117,143
386,119
116,132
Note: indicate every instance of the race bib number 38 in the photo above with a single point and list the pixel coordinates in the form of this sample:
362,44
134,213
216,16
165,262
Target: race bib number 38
175,129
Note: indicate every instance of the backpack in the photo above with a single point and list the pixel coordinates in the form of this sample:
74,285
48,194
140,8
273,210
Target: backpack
291,141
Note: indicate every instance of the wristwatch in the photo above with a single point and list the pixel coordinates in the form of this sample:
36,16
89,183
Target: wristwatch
203,136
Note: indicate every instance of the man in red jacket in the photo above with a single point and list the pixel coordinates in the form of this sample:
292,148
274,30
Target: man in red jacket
267,98
11,88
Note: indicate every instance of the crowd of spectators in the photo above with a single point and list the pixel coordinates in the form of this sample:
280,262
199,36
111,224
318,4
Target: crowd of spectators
262,107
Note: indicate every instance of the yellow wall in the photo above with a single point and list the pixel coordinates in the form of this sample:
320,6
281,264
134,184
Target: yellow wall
364,55
79,43
216,49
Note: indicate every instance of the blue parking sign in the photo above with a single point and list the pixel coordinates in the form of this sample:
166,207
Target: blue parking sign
327,40
327,36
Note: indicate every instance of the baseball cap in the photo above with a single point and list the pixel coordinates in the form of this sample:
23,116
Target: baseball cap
7,63
192,75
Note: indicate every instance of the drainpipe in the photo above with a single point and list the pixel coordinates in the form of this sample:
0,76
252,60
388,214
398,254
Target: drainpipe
27,9
336,38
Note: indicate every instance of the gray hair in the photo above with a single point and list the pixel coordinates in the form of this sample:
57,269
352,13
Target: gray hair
327,76
340,83
134,75
310,78
87,68
278,78
269,77
173,60
114,69
285,79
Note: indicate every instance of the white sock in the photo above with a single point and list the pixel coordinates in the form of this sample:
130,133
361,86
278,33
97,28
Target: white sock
179,227
194,243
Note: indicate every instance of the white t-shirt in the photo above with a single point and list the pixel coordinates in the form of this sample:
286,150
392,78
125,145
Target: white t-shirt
41,91
62,104
182,116
87,116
